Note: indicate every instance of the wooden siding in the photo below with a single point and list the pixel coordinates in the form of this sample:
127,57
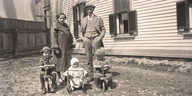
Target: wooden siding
62,6
157,31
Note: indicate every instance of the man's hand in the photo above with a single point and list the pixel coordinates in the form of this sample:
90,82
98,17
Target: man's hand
84,39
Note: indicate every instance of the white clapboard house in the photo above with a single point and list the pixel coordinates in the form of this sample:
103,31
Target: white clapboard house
157,28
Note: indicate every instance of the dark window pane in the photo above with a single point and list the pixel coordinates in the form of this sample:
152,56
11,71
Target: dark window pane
125,26
190,3
133,22
112,24
117,5
76,35
121,6
125,4
74,13
81,10
181,16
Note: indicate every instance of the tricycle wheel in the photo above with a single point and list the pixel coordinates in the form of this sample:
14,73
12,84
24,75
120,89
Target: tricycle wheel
83,88
69,90
104,86
47,87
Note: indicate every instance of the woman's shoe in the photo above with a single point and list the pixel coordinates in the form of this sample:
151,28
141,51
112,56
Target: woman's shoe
60,81
52,89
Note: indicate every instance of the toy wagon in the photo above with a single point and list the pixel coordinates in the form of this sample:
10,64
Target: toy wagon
102,76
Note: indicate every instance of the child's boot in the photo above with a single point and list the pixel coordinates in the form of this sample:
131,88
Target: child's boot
97,82
42,83
43,90
54,85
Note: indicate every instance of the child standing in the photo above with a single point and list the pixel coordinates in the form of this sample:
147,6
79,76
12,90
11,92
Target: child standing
76,74
47,60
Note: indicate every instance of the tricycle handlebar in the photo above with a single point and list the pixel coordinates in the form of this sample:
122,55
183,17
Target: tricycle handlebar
52,65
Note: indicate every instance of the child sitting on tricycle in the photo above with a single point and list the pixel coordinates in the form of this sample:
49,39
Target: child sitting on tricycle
47,71
102,75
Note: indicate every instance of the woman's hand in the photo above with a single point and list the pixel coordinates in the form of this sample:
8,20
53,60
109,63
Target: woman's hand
56,51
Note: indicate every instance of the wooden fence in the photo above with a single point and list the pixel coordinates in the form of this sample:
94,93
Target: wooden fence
20,37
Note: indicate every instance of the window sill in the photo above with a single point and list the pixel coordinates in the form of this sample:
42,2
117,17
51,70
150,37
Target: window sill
125,36
187,35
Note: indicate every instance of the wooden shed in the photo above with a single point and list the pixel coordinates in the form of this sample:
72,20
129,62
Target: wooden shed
22,32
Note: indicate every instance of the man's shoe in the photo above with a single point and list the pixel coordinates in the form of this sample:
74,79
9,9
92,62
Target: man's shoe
43,90
55,86
52,90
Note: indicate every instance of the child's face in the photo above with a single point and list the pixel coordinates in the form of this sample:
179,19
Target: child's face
46,53
100,57
61,19
75,65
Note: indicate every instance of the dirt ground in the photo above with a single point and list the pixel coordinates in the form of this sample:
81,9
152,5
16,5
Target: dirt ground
19,77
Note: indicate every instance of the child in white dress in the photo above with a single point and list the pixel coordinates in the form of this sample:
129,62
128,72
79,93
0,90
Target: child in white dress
76,74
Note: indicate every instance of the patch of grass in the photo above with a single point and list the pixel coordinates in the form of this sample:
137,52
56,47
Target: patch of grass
167,65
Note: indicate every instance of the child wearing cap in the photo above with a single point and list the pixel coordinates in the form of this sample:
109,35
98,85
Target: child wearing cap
97,65
76,74
47,59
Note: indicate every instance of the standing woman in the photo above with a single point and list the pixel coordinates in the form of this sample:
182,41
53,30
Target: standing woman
61,43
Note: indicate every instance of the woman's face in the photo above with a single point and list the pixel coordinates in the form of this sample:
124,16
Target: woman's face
61,19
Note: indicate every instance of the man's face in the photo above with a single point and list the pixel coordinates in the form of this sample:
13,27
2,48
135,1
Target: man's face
89,10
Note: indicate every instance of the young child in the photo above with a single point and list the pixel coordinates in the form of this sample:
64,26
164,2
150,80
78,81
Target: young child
76,74
98,64
47,60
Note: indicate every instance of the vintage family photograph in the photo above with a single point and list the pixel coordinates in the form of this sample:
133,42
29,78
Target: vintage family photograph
95,47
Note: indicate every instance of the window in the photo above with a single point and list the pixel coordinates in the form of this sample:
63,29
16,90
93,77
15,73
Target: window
184,16
78,14
123,23
124,20
190,15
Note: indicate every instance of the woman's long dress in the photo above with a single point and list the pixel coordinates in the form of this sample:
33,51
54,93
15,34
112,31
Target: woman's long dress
62,39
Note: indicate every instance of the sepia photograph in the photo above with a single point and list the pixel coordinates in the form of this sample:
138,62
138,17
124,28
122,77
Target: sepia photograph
95,47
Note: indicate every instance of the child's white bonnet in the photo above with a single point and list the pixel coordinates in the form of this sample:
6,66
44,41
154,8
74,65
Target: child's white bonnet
73,60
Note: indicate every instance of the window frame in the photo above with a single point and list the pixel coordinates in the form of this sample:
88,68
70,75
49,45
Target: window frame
184,24
77,18
118,17
114,25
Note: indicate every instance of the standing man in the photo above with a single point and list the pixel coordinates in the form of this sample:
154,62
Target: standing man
92,32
